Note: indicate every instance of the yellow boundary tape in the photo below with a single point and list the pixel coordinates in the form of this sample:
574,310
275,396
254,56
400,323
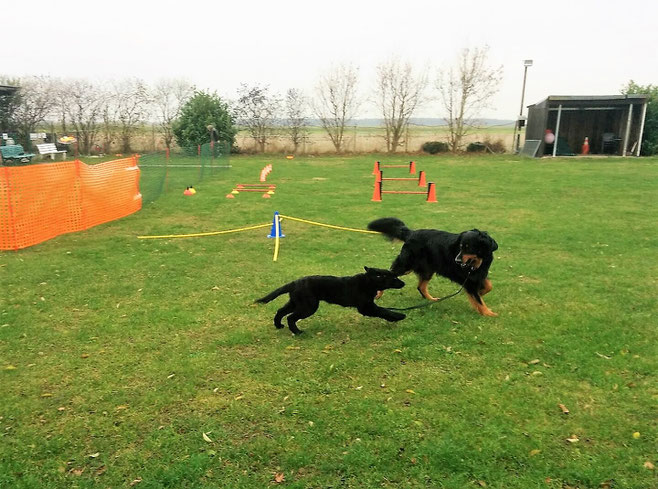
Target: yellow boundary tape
277,231
331,226
214,233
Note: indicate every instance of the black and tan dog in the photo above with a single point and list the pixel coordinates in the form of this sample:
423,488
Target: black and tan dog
464,258
355,291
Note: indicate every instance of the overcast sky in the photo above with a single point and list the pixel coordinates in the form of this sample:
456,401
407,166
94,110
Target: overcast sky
578,47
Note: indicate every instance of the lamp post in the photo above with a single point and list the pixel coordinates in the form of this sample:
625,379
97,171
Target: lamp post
520,122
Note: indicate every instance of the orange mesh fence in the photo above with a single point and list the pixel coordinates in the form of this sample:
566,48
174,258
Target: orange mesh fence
39,202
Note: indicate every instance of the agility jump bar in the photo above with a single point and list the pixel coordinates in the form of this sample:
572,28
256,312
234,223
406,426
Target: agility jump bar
422,182
378,166
266,189
430,193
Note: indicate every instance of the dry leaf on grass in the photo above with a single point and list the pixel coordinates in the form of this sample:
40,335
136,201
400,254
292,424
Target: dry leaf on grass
573,439
279,477
648,465
563,408
207,438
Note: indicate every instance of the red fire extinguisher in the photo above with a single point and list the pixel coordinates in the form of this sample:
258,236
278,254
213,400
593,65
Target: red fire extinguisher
585,148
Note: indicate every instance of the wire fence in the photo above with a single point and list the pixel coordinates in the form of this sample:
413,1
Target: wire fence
166,171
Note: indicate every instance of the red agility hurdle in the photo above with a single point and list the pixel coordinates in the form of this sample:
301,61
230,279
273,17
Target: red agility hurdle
379,166
430,193
421,178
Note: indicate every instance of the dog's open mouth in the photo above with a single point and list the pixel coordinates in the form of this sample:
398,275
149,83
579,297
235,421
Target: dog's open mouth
468,261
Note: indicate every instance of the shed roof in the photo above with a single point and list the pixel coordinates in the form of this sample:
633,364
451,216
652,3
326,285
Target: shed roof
593,99
8,88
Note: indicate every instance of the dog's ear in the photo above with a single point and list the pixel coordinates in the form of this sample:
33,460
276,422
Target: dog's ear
366,269
492,242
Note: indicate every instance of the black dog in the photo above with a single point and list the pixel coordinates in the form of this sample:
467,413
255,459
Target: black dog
464,258
356,291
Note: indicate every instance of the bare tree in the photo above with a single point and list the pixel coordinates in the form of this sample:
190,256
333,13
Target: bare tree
257,109
109,123
35,102
62,98
132,98
465,90
84,108
169,96
337,102
296,123
399,92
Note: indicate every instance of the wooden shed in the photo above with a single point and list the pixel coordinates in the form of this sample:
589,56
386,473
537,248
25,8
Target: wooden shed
613,124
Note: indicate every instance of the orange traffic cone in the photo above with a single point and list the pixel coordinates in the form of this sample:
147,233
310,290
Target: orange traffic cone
375,170
188,191
377,193
431,192
378,176
412,167
585,148
230,196
421,179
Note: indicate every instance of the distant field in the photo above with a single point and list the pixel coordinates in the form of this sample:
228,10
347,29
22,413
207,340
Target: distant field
357,139
145,363
371,139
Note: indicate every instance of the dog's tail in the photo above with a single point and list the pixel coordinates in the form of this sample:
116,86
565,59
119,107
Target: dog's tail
391,227
276,293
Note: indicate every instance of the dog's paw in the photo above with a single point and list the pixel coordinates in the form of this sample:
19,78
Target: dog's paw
426,295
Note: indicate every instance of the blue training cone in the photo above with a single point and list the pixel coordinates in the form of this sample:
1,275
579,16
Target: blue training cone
276,231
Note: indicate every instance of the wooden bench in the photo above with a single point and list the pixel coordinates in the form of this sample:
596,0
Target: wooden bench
50,149
15,152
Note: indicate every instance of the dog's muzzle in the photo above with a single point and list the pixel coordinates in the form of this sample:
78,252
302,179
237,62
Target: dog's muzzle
469,264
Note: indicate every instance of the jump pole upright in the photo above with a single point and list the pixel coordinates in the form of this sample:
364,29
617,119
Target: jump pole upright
276,234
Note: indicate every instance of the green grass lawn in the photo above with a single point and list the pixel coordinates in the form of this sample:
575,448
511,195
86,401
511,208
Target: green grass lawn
117,355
